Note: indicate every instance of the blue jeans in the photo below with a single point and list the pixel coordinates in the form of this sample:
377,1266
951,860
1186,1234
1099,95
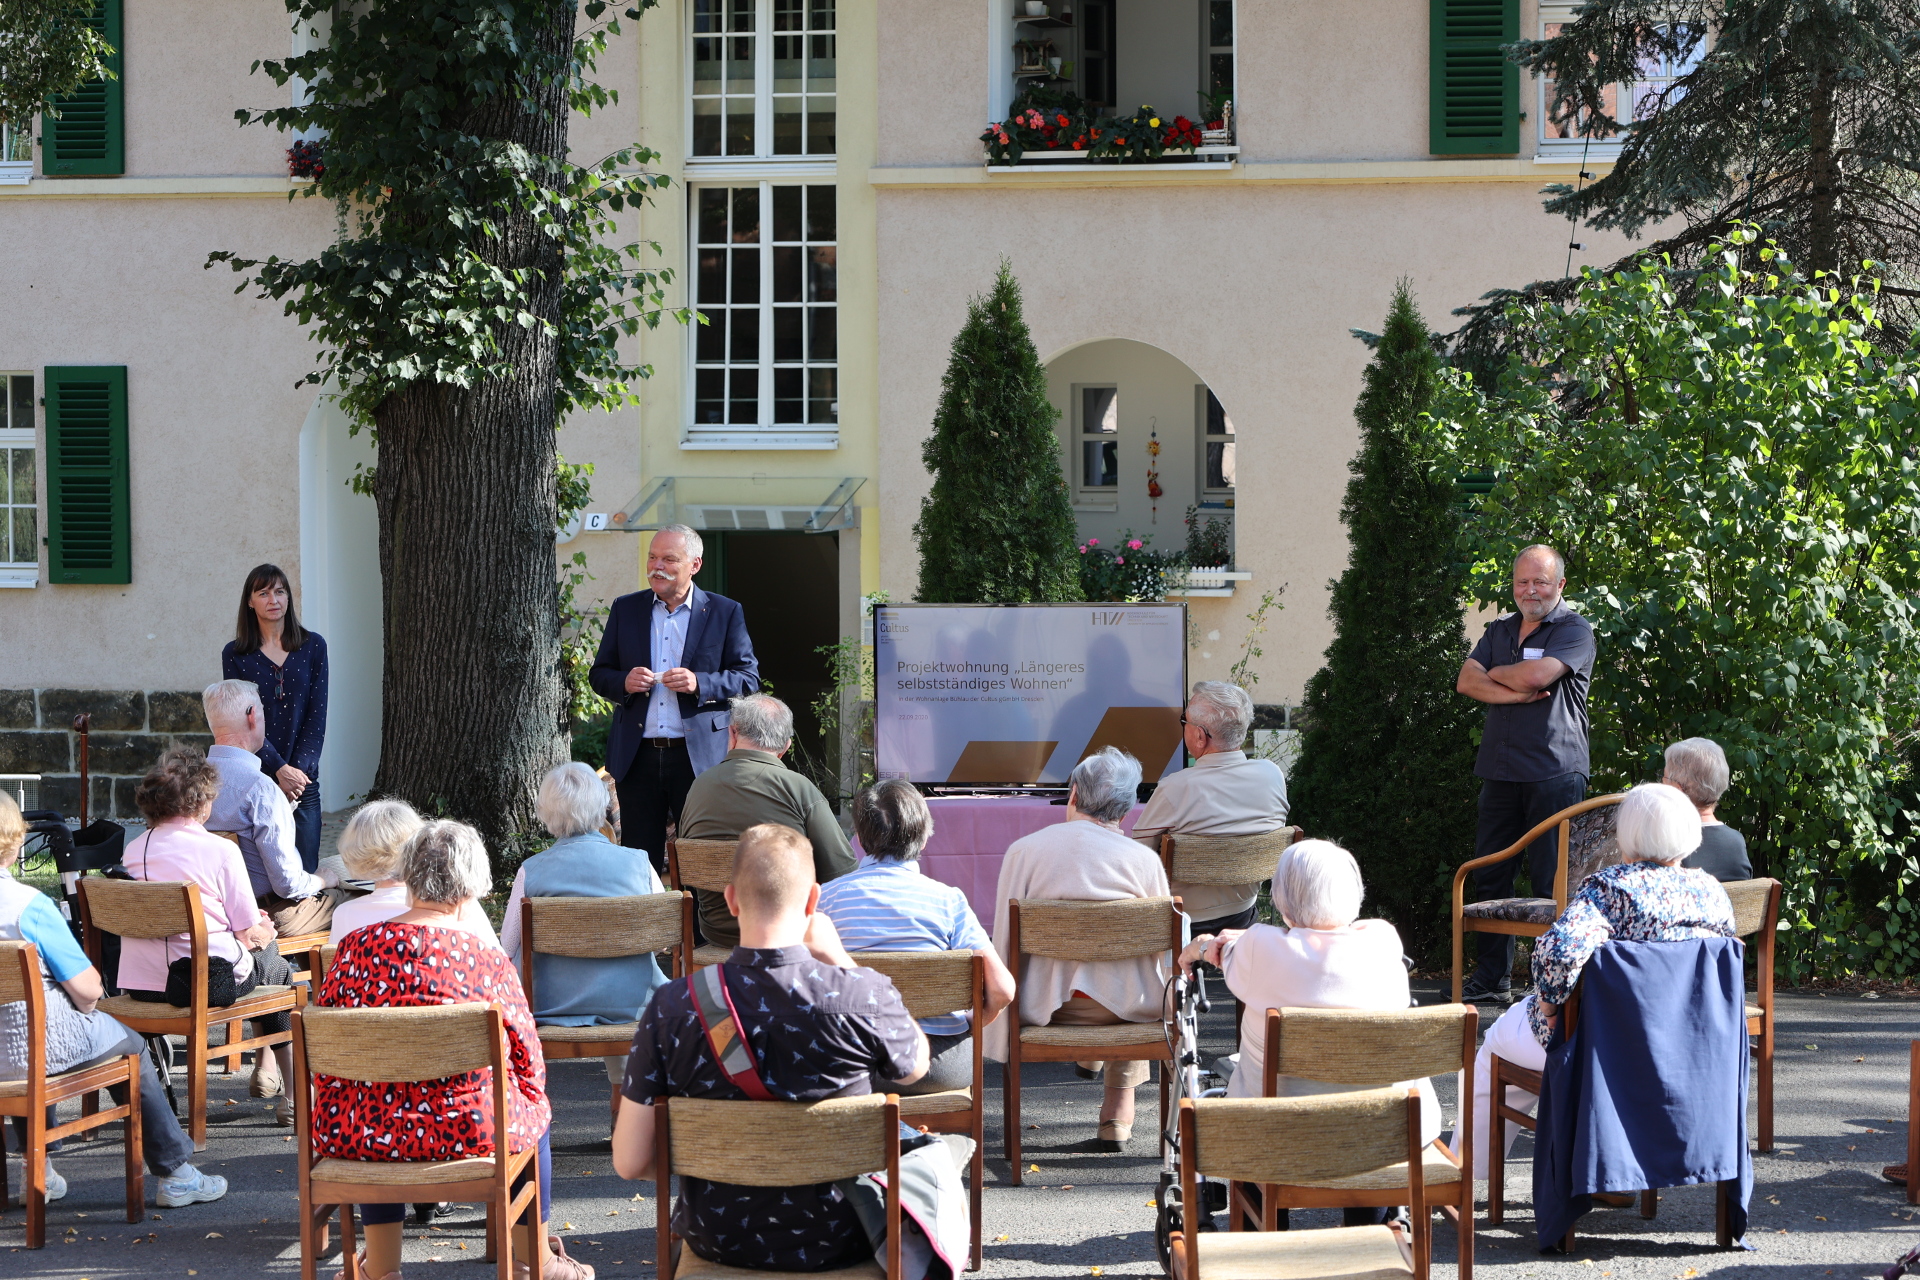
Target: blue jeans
1508,810
373,1215
163,1143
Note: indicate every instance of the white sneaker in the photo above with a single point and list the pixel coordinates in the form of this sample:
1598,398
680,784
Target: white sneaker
56,1185
187,1185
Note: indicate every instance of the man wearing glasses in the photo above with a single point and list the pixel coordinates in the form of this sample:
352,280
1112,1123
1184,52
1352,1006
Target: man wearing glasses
1532,669
1223,793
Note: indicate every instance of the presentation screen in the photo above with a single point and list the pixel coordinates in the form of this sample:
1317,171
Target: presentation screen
1011,695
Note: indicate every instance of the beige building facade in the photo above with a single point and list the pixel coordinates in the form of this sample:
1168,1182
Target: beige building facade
831,214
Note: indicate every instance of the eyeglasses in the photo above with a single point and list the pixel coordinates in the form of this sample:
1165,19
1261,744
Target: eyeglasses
1184,722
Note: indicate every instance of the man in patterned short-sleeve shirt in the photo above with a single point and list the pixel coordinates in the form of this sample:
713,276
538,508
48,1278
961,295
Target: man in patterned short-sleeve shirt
819,1028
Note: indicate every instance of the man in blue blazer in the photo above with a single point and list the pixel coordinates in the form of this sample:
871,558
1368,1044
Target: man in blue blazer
670,660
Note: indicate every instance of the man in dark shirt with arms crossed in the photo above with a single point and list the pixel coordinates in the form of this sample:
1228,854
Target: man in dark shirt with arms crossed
1532,669
819,1028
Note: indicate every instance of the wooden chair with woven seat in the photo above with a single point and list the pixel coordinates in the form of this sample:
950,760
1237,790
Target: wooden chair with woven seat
932,983
295,947
164,909
20,982
1376,1049
600,929
1320,1139
1586,845
1756,914
1226,860
429,1042
774,1144
1090,932
701,864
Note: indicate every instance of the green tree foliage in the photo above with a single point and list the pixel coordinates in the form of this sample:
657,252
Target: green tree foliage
1733,481
1802,117
997,527
1386,766
48,48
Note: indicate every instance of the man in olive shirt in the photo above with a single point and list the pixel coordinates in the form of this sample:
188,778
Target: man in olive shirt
750,786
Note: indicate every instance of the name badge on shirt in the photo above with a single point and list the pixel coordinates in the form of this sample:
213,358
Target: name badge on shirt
1529,655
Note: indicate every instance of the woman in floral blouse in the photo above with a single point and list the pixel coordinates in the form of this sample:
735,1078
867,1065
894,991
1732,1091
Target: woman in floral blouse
429,956
1647,897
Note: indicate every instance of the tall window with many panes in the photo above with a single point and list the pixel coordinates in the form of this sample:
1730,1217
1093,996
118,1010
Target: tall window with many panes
763,78
1570,136
19,490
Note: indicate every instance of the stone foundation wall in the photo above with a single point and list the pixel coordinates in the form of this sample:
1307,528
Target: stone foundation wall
130,731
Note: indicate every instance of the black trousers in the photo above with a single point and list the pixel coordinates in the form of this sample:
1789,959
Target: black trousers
1507,811
651,793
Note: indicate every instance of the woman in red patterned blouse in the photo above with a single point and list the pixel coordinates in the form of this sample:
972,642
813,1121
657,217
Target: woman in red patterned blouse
427,957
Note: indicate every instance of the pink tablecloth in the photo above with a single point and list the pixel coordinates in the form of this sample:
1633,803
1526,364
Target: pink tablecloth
971,835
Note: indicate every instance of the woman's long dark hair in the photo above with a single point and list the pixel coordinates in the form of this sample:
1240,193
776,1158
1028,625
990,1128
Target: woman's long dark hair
246,632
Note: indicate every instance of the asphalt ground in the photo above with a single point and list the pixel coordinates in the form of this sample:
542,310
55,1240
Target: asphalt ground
1819,1207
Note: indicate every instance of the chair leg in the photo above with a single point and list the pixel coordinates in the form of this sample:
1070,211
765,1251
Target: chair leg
1163,1070
1913,1123
197,1065
6,1201
1766,1083
34,1178
1722,1217
1465,1225
1649,1203
1496,1150
976,1177
493,1232
135,1143
1010,1108
349,1246
309,1245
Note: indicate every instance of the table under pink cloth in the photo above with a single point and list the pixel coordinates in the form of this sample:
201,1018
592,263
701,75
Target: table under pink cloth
971,835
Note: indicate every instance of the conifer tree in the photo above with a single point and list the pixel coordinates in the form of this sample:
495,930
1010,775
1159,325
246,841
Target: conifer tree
997,527
1386,768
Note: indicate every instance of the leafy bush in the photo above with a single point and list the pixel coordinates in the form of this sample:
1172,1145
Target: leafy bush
1128,570
1209,539
1732,479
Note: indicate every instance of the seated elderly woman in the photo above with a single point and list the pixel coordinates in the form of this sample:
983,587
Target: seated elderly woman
425,956
887,905
78,1035
583,863
373,847
1697,767
1647,897
176,798
1325,958
1086,858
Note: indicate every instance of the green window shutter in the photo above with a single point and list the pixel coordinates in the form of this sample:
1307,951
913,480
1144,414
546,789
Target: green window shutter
1474,91
87,536
88,138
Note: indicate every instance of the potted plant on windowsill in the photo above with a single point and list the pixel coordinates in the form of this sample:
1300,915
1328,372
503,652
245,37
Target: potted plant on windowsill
1209,540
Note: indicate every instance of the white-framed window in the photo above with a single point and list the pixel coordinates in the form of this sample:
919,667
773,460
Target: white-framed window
16,153
19,486
763,77
1214,461
1096,451
766,362
1566,138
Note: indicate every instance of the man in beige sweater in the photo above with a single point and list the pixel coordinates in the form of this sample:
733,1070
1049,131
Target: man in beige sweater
1222,793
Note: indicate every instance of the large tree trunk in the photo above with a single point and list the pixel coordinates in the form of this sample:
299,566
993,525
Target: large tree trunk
1823,238
471,707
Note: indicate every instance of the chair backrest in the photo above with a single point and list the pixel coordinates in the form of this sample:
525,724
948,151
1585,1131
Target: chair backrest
1301,1140
427,1042
781,1144
326,960
1591,843
19,972
1224,860
930,983
701,864
144,908
603,928
1756,905
1368,1048
1120,929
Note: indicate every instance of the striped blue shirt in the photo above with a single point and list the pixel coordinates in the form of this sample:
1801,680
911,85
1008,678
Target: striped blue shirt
891,906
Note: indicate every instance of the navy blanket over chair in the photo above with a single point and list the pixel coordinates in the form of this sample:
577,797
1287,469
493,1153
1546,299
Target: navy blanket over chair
1651,1088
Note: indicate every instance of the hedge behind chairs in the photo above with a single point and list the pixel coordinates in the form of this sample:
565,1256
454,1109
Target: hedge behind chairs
409,1044
30,1098
701,864
162,909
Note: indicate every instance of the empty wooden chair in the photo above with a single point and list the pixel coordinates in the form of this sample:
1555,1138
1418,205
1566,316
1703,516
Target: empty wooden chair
1756,914
701,864
162,909
427,1042
1121,929
29,1099
1326,1138
774,1144
1586,845
1376,1049
932,983
600,929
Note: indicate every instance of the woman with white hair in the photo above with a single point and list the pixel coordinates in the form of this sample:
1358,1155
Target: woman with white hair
1647,897
582,863
374,847
1086,858
1697,767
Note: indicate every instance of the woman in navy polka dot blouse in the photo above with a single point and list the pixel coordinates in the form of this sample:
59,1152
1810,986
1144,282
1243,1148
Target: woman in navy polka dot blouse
289,665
